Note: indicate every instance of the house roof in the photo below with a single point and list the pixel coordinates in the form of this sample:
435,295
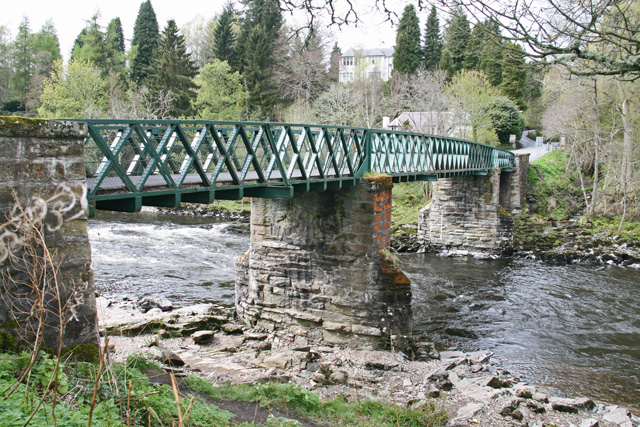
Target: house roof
384,51
419,119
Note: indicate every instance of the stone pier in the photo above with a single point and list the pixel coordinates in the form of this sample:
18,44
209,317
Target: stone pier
474,214
42,171
319,267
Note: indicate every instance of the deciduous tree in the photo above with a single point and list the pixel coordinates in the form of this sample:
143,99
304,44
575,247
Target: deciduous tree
221,94
75,91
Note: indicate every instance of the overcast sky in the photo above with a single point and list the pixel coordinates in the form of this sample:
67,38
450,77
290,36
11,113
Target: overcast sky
69,17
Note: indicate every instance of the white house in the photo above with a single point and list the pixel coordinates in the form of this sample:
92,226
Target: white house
369,62
430,122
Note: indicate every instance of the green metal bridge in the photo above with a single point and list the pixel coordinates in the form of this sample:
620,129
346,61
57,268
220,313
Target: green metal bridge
163,163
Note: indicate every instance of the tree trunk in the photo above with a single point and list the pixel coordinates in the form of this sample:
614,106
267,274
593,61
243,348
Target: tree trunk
627,147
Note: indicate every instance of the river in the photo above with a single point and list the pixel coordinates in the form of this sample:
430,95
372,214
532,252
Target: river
574,329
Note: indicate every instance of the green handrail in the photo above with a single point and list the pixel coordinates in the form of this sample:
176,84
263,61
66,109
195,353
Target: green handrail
163,162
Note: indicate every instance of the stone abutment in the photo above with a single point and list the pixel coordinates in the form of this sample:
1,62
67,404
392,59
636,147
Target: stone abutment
318,266
43,208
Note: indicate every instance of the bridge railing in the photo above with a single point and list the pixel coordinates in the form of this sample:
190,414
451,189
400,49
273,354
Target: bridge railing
146,158
400,153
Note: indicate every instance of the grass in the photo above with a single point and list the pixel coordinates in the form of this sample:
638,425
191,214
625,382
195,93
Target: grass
555,193
336,412
408,199
125,397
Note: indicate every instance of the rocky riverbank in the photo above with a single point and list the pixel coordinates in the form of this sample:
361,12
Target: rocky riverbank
206,340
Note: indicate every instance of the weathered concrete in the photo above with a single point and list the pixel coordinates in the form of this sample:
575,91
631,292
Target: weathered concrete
319,266
40,159
474,214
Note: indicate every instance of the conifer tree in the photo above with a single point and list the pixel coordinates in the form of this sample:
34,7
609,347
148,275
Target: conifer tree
224,38
47,40
90,45
145,40
256,49
514,74
173,70
408,54
115,35
6,70
491,55
432,51
334,63
23,61
457,36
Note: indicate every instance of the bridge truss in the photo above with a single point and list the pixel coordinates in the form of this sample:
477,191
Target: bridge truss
163,163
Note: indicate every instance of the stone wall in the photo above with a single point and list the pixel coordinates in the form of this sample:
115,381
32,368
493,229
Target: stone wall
319,267
474,214
513,185
44,161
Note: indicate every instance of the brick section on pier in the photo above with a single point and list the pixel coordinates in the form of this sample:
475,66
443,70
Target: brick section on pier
319,267
36,156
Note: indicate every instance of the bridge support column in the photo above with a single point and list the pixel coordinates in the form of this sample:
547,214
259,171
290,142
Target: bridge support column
319,267
474,214
38,158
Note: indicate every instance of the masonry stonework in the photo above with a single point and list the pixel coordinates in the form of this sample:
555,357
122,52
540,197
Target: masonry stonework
319,267
474,214
36,158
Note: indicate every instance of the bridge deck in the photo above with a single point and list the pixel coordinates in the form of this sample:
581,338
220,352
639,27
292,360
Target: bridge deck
163,163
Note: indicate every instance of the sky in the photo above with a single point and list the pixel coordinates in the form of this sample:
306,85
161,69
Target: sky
69,17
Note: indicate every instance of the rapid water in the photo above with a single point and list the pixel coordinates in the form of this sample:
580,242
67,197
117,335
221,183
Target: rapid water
574,329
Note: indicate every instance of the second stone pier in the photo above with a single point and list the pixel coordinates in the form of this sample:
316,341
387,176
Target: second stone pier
319,266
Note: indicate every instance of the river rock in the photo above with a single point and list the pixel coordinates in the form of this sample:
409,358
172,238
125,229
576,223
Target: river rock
465,413
202,337
231,328
571,405
147,303
287,359
616,415
165,356
339,377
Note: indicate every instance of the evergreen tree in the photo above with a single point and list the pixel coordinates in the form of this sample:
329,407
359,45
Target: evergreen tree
145,41
46,40
514,74
408,54
334,63
115,35
491,57
446,64
457,37
116,57
90,45
23,61
173,70
256,48
6,72
432,41
224,38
